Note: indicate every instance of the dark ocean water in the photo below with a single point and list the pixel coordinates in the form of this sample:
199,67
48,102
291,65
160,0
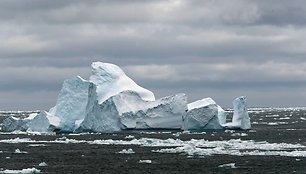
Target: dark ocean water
276,144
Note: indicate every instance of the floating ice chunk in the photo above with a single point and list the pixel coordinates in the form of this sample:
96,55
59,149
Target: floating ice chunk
228,166
129,151
239,134
241,119
19,151
26,171
100,117
45,122
129,137
43,164
111,80
145,161
71,102
272,124
204,114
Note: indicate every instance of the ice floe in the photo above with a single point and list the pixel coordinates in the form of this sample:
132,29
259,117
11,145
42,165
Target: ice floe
128,151
25,171
199,147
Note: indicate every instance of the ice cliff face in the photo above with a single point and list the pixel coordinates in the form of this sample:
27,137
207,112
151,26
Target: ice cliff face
127,110
71,102
165,113
111,80
102,117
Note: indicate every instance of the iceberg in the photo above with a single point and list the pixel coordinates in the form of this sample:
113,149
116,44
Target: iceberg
99,117
11,123
241,119
110,101
111,80
71,102
204,114
45,122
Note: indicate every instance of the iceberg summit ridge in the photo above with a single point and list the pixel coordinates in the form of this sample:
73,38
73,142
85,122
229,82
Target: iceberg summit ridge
110,101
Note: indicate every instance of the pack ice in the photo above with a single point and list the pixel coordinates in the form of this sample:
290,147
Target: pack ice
110,101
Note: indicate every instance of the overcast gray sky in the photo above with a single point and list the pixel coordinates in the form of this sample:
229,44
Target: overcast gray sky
213,48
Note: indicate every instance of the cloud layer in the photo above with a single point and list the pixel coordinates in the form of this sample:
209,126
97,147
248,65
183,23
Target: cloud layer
214,48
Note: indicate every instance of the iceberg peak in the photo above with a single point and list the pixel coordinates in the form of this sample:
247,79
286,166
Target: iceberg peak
111,80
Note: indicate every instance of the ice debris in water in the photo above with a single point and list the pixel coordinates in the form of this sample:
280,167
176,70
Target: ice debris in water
25,171
19,151
129,151
145,161
43,164
228,166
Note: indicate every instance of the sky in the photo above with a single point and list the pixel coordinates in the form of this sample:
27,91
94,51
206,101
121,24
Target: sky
213,48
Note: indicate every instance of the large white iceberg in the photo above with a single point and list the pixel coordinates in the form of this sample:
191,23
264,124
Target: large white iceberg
241,119
71,102
45,122
111,80
110,101
73,98
204,114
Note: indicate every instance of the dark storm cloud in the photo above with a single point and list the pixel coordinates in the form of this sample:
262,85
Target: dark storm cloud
208,47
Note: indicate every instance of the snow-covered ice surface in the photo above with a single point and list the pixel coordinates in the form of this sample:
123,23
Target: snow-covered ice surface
111,80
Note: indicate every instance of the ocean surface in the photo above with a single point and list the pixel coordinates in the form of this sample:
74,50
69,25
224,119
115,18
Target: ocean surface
275,144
